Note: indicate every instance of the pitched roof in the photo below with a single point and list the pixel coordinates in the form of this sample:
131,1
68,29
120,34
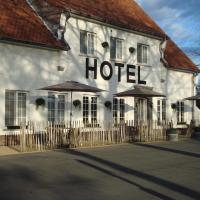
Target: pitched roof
19,23
177,59
126,14
122,13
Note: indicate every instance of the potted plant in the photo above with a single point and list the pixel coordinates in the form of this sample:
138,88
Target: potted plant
172,133
108,105
105,45
77,103
131,49
173,106
40,102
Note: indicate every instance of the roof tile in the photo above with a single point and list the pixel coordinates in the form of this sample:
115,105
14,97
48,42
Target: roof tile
19,22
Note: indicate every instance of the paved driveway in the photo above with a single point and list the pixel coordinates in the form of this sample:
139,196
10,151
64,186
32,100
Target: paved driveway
152,171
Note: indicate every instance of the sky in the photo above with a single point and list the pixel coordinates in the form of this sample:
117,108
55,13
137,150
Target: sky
179,18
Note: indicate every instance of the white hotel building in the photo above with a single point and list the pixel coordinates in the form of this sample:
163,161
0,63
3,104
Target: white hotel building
113,46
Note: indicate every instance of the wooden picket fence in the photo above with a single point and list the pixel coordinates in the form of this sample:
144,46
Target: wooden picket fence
46,136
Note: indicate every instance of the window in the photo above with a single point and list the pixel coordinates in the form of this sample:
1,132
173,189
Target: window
89,110
161,110
61,108
116,46
94,109
118,110
180,112
143,54
85,110
15,108
56,107
140,110
51,107
87,43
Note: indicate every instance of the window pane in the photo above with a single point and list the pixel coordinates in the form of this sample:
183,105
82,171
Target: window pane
158,111
119,49
122,110
139,53
142,53
83,42
10,110
164,110
115,110
21,108
85,110
51,108
94,109
90,44
112,48
61,108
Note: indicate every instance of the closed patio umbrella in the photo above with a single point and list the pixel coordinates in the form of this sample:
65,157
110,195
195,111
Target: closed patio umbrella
140,91
71,86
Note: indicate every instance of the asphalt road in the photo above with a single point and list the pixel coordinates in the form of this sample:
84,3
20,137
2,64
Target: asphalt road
169,171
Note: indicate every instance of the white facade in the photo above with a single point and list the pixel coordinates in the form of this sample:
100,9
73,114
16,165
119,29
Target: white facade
28,69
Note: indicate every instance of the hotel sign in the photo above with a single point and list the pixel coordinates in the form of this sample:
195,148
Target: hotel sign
131,71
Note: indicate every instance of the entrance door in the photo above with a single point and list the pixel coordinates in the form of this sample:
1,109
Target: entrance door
140,109
143,109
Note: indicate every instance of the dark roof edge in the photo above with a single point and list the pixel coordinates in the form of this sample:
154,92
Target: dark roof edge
193,71
33,44
99,21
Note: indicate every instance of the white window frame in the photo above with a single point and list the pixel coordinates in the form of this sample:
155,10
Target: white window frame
161,110
118,113
143,61
90,119
16,108
180,109
119,49
90,43
56,108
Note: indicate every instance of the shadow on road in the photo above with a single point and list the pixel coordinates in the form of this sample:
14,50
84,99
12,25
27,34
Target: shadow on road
147,177
185,153
110,173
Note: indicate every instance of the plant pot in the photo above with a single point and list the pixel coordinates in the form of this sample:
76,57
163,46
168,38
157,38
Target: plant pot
77,103
108,105
40,102
172,135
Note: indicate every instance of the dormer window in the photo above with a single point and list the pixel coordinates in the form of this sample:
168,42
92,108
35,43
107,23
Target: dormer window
87,43
116,48
143,54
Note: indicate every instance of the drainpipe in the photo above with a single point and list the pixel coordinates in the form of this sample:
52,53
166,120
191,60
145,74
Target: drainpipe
194,92
163,46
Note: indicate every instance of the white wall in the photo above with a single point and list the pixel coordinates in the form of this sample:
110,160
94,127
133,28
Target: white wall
26,68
